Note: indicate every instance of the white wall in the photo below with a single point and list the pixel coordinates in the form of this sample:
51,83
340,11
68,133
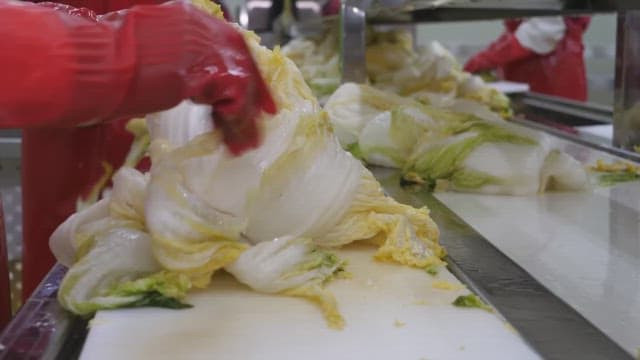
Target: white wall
233,6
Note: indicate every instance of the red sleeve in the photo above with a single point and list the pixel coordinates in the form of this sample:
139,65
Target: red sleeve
40,67
504,50
105,6
581,22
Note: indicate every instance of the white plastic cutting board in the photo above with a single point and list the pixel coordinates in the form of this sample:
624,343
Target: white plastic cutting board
583,246
391,312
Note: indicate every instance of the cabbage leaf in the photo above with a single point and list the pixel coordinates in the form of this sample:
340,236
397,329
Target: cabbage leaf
445,149
291,266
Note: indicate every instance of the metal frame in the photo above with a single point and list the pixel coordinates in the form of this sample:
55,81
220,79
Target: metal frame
356,13
588,113
42,329
626,120
353,40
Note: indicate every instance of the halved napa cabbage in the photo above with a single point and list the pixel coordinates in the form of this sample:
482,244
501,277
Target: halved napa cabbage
318,61
461,152
434,77
262,216
429,74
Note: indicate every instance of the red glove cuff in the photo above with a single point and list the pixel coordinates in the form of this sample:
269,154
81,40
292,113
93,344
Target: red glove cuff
504,50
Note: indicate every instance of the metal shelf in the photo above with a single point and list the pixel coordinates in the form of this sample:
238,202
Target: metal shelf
456,10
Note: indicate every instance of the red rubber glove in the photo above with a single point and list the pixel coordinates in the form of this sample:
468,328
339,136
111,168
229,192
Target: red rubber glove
504,50
105,6
85,68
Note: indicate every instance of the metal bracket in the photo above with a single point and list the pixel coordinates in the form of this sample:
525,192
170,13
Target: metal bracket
353,41
626,117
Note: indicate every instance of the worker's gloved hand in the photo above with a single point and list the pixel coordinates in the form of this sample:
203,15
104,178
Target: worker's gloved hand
182,49
86,68
504,50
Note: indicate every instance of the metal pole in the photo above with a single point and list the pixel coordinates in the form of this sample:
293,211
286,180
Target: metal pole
626,117
5,288
353,41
